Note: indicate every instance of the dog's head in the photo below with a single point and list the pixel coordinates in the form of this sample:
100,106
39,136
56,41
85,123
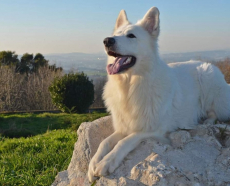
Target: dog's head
132,44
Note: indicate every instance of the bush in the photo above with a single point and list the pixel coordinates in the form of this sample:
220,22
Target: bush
20,92
72,92
224,66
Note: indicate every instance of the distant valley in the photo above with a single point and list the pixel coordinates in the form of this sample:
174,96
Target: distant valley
94,64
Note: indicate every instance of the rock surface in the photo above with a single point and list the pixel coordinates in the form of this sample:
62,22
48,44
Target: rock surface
198,157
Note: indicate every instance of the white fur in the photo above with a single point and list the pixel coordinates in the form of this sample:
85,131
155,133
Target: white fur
153,98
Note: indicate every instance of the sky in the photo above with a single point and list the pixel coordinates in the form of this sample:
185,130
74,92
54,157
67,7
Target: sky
58,26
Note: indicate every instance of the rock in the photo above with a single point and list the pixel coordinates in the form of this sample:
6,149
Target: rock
227,142
195,158
179,138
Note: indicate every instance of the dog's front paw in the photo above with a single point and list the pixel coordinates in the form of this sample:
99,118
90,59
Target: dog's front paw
209,121
91,170
106,166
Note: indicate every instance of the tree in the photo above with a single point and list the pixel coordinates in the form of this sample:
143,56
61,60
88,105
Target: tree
31,64
54,68
25,64
39,61
8,58
72,92
28,63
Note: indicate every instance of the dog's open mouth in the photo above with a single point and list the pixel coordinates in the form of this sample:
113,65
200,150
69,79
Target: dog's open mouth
120,63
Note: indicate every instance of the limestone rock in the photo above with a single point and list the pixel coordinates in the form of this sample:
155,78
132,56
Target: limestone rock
195,158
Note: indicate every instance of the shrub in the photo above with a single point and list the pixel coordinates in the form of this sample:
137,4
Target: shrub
99,84
224,66
72,92
20,92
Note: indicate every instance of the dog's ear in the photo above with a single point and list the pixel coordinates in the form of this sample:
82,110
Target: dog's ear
151,22
121,19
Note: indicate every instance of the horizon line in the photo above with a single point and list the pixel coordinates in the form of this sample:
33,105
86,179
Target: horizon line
102,52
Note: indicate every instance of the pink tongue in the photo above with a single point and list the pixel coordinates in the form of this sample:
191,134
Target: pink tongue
116,66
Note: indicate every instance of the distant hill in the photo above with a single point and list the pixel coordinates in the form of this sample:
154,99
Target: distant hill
94,64
208,56
78,61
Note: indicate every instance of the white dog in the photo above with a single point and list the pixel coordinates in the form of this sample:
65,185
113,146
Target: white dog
147,97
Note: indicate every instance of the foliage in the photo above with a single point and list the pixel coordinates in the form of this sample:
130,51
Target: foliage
222,133
30,63
27,64
72,92
39,61
99,84
224,66
37,160
20,92
8,58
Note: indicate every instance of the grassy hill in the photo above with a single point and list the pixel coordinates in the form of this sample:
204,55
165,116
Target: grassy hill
35,147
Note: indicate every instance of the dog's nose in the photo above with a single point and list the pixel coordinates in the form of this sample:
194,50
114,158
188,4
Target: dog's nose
109,41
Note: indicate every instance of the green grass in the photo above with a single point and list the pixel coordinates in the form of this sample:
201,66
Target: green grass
24,125
36,160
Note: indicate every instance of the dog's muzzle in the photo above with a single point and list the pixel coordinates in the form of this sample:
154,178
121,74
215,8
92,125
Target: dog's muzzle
109,41
121,62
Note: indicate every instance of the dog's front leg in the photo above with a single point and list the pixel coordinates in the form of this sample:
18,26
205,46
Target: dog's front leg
112,160
104,148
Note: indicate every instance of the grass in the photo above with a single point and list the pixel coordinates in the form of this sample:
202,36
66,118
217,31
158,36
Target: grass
222,133
36,160
24,125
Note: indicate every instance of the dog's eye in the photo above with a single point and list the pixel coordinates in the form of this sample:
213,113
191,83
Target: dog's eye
131,36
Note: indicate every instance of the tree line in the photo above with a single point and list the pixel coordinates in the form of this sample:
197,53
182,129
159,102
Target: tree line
28,63
30,83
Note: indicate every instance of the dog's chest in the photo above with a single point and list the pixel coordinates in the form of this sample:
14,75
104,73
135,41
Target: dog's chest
127,97
130,105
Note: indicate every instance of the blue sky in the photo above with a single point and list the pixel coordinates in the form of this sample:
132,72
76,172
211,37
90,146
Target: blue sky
58,26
